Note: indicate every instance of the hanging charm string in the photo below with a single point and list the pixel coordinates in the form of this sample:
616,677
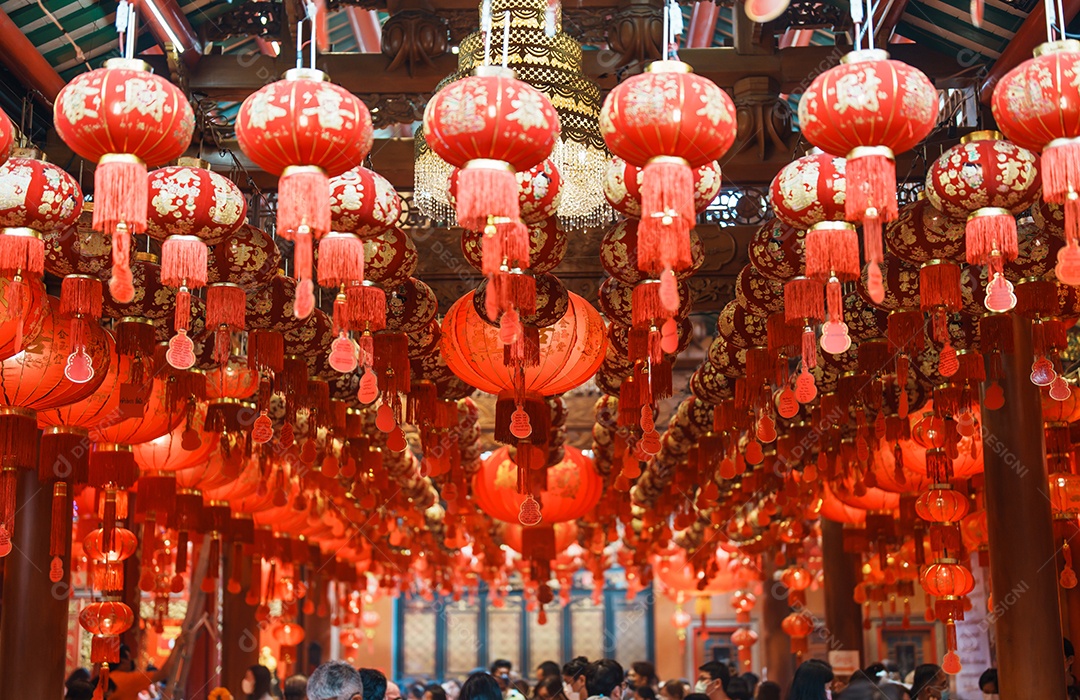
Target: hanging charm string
485,27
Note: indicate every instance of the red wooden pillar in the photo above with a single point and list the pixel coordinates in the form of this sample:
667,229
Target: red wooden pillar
843,616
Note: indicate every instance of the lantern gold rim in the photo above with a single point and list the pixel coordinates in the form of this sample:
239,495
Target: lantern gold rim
189,492
25,231
866,151
192,162
672,160
669,67
134,319
306,74
493,72
1060,46
121,158
983,135
832,226
302,170
147,257
135,64
937,261
1065,141
865,56
111,447
989,211
488,164
65,430
17,411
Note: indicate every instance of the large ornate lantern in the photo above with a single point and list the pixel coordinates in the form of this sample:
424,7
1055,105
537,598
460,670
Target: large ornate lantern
1037,105
868,109
667,121
306,130
123,117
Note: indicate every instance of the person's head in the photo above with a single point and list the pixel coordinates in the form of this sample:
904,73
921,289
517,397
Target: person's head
549,687
604,677
697,696
79,689
434,691
810,680
929,682
751,680
79,674
874,671
127,661
335,680
712,676
393,691
673,690
548,669
374,683
641,673
768,690
988,682
417,690
295,687
522,686
739,689
500,668
573,673
644,692
256,682
482,686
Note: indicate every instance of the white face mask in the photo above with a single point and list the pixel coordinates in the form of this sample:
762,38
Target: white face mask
701,687
247,686
569,692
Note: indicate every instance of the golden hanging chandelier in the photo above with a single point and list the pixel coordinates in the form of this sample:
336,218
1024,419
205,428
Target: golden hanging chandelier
547,58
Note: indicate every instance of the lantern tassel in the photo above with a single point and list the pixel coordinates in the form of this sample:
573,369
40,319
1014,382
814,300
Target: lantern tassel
304,302
303,203
8,483
990,231
832,250
22,254
61,515
365,307
16,307
486,188
183,262
120,206
341,260
668,214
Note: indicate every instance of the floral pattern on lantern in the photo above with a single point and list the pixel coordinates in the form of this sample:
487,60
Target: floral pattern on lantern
364,203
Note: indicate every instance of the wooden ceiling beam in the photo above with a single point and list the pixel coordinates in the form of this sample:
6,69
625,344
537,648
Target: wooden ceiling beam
232,78
1019,49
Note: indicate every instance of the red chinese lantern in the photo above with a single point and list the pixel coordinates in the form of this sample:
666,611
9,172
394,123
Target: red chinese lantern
989,181
306,130
809,190
185,446
539,192
36,199
547,246
20,319
948,581
622,186
289,634
249,258
922,233
192,208
570,489
868,109
363,203
123,117
566,534
798,625
1037,105
491,125
667,121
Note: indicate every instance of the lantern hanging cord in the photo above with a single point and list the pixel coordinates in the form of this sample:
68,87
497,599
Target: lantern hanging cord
1055,23
506,37
126,21
485,27
672,18
667,29
864,23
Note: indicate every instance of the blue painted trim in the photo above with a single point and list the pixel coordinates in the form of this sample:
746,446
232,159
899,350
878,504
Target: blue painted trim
566,643
609,623
440,637
397,665
482,627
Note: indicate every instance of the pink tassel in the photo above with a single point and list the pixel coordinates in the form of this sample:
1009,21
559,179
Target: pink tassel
832,250
303,202
21,253
668,214
120,208
341,259
486,188
304,303
988,232
183,262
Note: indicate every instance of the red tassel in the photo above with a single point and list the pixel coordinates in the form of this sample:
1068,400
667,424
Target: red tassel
80,295
135,337
422,398
392,362
225,305
182,312
809,347
18,437
524,349
303,202
990,231
834,298
832,250
120,209
996,332
660,381
22,252
783,338
183,262
668,214
804,301
61,516
939,286
112,465
486,190
17,299
906,331
647,306
8,486
266,351
64,455
669,292
515,243
341,259
871,193
365,307
510,290
1060,171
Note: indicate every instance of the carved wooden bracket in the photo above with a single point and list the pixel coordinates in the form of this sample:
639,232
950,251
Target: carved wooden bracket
414,38
636,31
764,120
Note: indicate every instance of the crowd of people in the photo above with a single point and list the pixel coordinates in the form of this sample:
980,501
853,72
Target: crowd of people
578,679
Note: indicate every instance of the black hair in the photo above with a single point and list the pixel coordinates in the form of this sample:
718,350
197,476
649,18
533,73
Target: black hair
751,679
924,676
865,689
718,672
552,684
874,671
988,676
675,689
480,686
603,676
768,690
646,670
1069,650
263,679
501,663
646,692
79,689
436,690
549,669
739,689
374,683
575,667
810,680
79,674
696,696
295,687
